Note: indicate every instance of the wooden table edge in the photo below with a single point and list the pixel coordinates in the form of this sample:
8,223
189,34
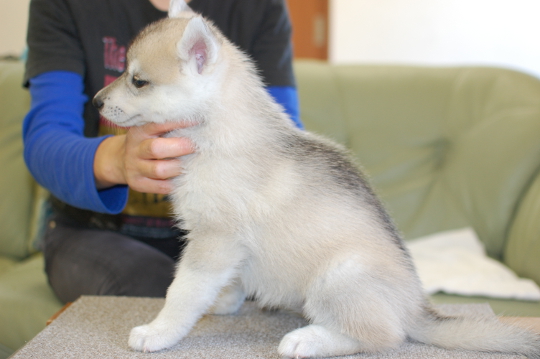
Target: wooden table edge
57,314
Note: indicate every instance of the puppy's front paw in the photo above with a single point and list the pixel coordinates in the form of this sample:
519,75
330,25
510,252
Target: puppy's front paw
297,345
147,338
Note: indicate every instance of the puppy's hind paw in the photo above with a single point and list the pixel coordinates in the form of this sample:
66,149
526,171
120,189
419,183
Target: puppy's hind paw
315,341
149,339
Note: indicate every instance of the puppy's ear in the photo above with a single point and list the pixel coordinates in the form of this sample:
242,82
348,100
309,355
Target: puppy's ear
179,8
199,46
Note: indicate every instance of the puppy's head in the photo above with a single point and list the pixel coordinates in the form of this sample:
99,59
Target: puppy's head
172,72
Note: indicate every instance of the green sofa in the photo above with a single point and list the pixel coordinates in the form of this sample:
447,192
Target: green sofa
445,148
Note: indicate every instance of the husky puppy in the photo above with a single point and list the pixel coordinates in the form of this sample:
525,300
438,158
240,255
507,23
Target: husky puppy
275,212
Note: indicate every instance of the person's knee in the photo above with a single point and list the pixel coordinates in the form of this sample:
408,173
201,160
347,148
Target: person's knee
83,262
143,277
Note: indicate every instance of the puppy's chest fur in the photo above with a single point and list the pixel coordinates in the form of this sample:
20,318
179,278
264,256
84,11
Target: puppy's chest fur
255,199
223,187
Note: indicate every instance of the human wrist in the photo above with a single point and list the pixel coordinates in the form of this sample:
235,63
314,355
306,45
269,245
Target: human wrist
108,160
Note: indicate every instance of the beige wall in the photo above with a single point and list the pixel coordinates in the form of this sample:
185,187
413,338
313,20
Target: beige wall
440,32
13,20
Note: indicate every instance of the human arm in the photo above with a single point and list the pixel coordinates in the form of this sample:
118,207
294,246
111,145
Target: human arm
55,151
86,172
287,96
272,50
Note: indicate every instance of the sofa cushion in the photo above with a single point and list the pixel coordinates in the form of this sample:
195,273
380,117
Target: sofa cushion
6,264
16,184
445,147
320,100
27,302
523,246
511,308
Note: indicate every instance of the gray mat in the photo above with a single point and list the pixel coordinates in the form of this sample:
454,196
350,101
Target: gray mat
98,327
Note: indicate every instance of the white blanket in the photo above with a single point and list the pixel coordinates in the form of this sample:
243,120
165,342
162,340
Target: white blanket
455,262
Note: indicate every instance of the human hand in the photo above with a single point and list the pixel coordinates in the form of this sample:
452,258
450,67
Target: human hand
141,158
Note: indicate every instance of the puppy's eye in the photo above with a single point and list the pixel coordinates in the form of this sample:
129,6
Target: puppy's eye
138,83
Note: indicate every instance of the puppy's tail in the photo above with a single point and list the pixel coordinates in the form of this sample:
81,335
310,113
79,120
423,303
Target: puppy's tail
480,333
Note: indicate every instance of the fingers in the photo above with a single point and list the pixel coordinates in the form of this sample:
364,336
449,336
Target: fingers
150,160
147,185
150,144
160,169
153,176
163,148
141,158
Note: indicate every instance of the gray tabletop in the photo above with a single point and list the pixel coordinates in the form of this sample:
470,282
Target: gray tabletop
98,327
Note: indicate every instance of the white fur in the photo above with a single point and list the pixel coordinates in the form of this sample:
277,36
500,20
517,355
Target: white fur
179,8
276,213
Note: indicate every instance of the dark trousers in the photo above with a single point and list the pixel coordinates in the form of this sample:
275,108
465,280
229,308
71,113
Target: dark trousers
84,261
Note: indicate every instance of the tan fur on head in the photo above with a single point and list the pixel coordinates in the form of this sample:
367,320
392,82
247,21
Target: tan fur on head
165,57
155,59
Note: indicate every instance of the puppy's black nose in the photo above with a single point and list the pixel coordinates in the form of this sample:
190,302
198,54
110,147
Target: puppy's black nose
97,102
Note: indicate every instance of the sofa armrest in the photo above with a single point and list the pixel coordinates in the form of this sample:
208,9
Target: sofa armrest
522,250
17,189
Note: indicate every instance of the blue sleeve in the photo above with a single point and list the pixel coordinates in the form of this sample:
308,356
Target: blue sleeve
287,97
56,152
